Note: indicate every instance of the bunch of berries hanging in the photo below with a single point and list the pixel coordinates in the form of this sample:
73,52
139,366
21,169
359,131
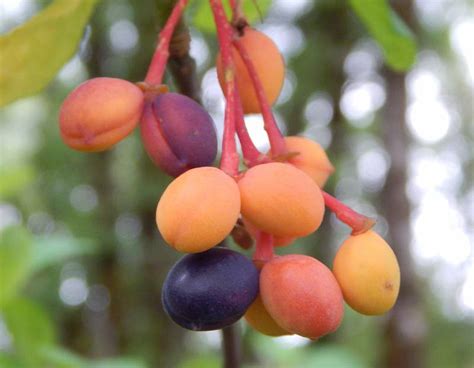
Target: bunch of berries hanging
276,199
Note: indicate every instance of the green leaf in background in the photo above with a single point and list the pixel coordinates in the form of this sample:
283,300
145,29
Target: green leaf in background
58,357
14,179
8,361
395,38
30,328
204,21
33,53
15,258
51,250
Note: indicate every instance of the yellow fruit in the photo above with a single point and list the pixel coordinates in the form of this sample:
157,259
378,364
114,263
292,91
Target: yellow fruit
367,271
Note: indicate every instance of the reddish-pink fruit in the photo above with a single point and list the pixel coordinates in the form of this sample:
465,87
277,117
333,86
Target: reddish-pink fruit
178,134
302,295
99,113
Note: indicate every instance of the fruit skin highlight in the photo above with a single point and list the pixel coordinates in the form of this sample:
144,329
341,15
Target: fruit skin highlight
99,113
268,63
367,271
210,290
281,200
198,209
302,295
177,133
311,158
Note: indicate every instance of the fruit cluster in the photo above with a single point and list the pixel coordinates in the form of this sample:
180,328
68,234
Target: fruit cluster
275,200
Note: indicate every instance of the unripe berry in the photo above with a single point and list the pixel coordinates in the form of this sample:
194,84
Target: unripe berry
268,63
302,295
367,271
311,159
99,113
281,200
210,290
177,133
198,209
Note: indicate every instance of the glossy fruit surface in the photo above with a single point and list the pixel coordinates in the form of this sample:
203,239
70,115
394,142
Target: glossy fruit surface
311,159
198,209
302,295
281,200
268,63
210,290
367,271
99,113
178,134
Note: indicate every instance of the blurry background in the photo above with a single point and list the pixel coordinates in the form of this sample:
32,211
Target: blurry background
401,145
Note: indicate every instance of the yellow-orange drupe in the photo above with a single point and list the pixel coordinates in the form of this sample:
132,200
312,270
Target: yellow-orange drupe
311,158
268,63
281,200
198,209
367,271
99,113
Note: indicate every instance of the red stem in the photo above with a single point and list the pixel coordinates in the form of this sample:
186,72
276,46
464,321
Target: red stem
358,222
157,66
252,156
264,248
277,142
230,158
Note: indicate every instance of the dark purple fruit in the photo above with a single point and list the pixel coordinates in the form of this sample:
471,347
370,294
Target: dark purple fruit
210,290
178,133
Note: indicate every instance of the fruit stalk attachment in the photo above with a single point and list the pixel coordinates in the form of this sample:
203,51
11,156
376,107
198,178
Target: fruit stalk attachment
157,66
358,222
264,247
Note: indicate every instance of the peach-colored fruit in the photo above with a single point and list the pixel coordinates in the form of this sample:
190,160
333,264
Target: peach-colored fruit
302,295
311,158
268,63
367,271
281,200
198,209
99,113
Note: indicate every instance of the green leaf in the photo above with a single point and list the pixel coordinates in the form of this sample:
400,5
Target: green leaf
50,250
13,179
34,52
30,327
204,20
393,35
15,258
9,361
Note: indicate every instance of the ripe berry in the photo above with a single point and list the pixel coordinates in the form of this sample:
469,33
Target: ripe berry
281,200
178,134
210,290
99,113
367,271
198,209
311,158
302,295
268,63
